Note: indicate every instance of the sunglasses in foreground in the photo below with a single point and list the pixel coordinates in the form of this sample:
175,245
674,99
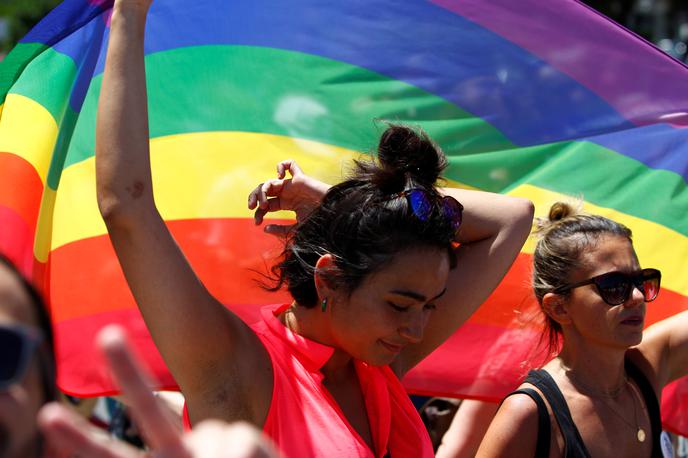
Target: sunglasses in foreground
421,203
616,287
18,344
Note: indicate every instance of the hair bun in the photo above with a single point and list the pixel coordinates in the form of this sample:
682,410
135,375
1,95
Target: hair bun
409,155
561,210
558,212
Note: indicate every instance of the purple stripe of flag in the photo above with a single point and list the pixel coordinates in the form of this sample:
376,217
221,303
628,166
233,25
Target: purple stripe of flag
644,85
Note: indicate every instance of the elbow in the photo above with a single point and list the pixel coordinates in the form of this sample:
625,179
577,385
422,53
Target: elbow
120,209
526,211
109,206
112,210
521,216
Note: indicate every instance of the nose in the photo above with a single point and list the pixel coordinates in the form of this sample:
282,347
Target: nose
637,298
412,329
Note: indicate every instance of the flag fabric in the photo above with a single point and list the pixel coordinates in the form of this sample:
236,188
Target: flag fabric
538,98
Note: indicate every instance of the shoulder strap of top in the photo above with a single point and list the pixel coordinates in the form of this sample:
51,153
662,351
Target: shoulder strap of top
650,398
574,445
544,428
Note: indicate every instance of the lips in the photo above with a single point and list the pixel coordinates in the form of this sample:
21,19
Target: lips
635,320
393,348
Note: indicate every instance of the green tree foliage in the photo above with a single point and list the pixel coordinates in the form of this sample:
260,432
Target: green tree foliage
19,17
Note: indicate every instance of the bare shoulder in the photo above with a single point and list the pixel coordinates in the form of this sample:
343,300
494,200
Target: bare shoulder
514,429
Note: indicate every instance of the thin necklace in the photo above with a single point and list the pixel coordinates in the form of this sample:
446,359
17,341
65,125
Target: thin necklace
640,434
612,394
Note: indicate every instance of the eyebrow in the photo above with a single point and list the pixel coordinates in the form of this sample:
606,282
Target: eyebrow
415,295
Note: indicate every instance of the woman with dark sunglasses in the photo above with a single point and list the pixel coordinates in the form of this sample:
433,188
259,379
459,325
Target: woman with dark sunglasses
600,395
27,375
368,266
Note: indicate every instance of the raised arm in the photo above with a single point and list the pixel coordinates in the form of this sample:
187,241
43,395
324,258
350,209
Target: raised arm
665,348
196,335
492,233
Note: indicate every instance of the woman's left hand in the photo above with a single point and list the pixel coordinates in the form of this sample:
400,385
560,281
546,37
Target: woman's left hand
300,194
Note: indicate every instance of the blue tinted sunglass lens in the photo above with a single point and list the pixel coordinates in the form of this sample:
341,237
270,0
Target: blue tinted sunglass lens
453,211
12,345
420,204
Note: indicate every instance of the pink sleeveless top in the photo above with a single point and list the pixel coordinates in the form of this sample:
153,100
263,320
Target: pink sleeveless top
305,421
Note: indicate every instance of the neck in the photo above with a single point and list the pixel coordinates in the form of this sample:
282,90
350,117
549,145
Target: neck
592,370
314,324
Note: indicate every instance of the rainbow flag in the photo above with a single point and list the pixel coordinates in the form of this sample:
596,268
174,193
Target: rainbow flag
537,98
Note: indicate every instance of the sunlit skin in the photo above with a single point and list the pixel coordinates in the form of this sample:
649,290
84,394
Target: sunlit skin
21,402
386,313
594,323
596,339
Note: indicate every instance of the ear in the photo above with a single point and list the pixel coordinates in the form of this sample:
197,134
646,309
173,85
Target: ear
556,307
324,268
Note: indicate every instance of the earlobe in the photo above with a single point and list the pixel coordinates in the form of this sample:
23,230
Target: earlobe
556,307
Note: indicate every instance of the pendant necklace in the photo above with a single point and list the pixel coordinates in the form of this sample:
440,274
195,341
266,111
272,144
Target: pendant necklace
640,433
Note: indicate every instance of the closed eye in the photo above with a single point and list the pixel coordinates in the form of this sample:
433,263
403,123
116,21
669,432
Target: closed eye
430,307
397,307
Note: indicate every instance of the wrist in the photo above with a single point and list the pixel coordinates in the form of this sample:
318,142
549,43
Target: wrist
318,189
138,8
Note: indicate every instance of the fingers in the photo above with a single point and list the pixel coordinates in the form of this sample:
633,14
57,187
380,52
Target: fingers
279,230
291,166
272,205
150,415
259,196
238,440
69,434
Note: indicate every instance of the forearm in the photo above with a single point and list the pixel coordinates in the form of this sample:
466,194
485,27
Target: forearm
665,345
487,215
123,175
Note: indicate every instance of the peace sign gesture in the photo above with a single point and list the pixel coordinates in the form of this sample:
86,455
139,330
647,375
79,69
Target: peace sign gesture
70,434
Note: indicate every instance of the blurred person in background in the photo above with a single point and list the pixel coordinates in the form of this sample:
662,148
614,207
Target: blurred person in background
27,364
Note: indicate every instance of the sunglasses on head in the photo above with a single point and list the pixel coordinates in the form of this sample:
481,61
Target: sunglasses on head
616,287
421,203
18,344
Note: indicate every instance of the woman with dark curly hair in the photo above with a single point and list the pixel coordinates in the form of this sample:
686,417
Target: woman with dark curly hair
370,267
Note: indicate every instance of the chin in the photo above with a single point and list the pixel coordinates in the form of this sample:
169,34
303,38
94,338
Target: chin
629,340
379,359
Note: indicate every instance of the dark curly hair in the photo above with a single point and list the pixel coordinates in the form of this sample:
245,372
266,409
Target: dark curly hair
363,223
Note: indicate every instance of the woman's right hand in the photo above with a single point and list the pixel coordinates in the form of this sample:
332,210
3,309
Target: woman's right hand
300,194
69,434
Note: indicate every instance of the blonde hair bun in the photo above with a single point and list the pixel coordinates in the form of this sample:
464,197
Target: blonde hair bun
558,212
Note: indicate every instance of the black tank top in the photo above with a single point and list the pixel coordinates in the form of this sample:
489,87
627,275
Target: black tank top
574,447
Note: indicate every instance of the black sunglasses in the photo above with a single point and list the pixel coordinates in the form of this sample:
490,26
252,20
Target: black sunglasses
421,202
18,344
616,287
